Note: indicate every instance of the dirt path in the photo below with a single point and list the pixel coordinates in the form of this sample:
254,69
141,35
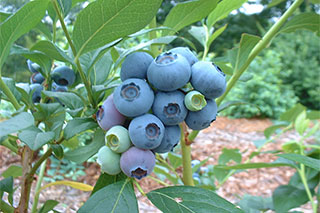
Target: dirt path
224,133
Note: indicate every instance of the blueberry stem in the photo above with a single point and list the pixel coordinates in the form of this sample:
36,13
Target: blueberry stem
159,181
77,61
186,159
38,186
9,94
139,187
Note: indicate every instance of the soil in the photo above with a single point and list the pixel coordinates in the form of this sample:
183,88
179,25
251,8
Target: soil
223,133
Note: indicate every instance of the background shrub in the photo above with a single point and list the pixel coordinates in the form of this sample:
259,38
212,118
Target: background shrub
299,55
265,89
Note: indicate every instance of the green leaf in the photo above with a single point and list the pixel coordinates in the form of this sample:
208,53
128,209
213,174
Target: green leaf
69,99
64,7
58,151
116,197
291,114
83,153
226,69
72,143
216,34
190,199
315,1
161,40
186,13
52,51
26,18
78,125
286,197
291,147
199,33
252,204
6,185
229,154
162,170
4,16
35,56
301,123
35,138
222,10
310,162
274,3
43,28
145,31
104,21
254,165
309,21
175,160
271,129
53,115
101,69
19,122
12,86
312,178
239,55
313,130
313,115
48,206
106,179
13,170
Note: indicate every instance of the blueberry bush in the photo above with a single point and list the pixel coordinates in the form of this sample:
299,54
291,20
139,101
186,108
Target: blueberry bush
136,105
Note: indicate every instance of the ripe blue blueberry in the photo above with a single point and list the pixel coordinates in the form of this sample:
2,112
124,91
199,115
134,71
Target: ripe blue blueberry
137,163
202,119
146,131
135,65
171,138
133,97
33,67
208,79
36,92
36,78
185,52
109,161
58,88
63,75
169,107
117,139
108,115
169,71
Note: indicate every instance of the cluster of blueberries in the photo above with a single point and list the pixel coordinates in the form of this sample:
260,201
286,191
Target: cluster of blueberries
62,77
155,96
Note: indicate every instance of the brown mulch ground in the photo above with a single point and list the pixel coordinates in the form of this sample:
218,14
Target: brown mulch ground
224,133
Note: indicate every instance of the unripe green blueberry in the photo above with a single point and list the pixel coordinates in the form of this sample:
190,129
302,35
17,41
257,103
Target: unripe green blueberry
109,161
194,101
117,139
